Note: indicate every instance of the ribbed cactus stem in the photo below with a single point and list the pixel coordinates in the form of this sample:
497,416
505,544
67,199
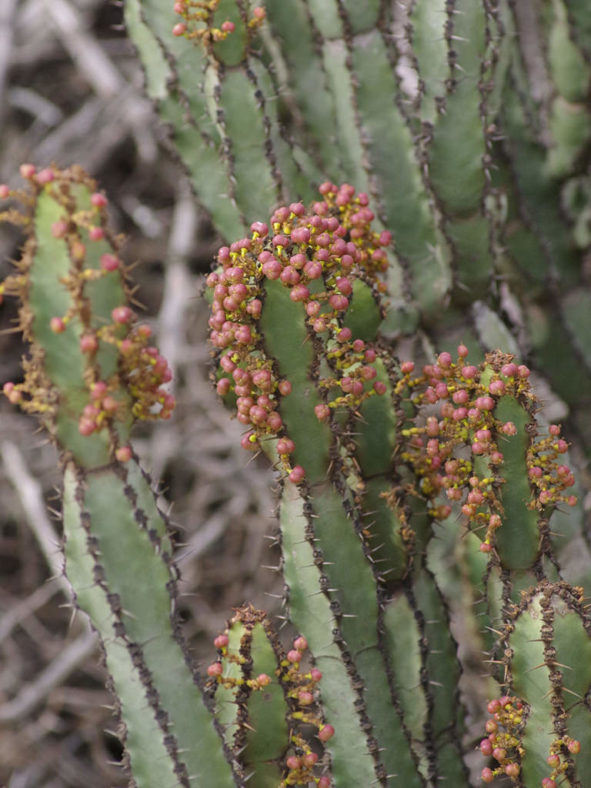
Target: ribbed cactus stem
90,373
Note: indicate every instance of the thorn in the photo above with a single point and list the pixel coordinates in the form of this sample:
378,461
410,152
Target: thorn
541,665
572,692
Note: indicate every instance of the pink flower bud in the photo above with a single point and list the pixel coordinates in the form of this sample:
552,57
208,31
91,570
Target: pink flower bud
325,733
121,314
223,386
88,343
305,698
338,302
297,475
444,360
299,293
109,262
272,269
123,454
27,171
98,200
284,388
274,421
59,229
86,426
497,387
285,446
221,641
322,412
96,233
45,176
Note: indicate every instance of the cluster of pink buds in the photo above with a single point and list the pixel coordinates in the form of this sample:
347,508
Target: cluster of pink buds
457,402
316,256
136,388
197,21
551,477
353,377
302,759
558,759
144,372
216,671
503,743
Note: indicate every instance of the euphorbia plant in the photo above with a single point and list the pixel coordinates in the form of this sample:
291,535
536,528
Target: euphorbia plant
470,257
374,457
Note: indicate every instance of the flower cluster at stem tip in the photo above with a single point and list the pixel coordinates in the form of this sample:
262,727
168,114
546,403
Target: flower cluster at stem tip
136,389
301,763
197,21
317,256
456,409
503,743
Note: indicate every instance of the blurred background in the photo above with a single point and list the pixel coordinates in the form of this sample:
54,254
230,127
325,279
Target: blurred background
71,92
